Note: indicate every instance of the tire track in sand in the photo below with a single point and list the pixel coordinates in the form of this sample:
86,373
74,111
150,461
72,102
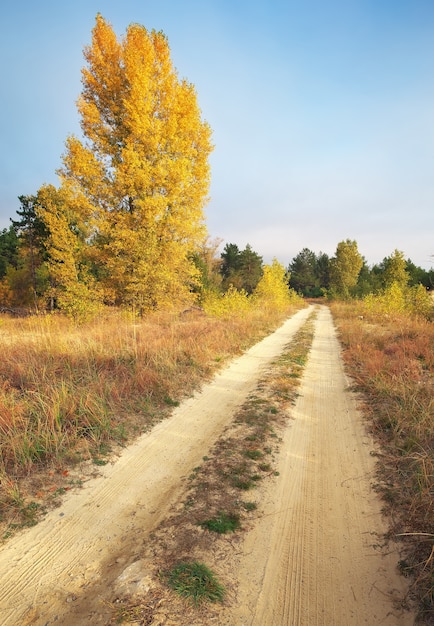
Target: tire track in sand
313,558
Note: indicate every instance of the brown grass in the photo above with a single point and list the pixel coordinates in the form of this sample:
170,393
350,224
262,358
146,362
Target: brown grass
391,361
74,393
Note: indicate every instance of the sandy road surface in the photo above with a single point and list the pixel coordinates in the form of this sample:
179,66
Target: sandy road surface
313,558
47,571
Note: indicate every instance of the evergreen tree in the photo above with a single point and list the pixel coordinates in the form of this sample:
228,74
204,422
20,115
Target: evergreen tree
231,262
322,270
417,275
240,268
303,272
309,273
32,236
8,250
250,269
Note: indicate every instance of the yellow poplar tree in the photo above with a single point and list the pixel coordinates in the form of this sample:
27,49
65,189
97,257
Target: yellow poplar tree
72,287
141,177
395,270
345,268
272,289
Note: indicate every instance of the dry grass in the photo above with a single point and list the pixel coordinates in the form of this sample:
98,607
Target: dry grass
392,362
71,393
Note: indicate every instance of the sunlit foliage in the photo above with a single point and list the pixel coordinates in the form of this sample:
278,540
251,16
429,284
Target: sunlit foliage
132,192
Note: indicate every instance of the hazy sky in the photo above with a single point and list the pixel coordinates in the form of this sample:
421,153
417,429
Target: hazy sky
322,112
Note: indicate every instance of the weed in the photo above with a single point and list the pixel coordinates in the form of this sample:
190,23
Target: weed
99,461
223,523
242,483
253,454
264,467
249,506
171,402
196,582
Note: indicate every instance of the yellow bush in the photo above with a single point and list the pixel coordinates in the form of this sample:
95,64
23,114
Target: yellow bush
272,290
419,301
400,300
233,301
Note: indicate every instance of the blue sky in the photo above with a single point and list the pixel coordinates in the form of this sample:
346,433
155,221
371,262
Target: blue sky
322,113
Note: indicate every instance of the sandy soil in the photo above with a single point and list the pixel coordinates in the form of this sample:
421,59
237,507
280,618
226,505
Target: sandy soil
315,557
312,557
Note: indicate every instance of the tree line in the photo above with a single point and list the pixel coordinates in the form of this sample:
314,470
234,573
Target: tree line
25,276
347,273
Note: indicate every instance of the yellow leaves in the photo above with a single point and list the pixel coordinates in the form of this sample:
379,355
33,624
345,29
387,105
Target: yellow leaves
138,185
399,300
345,268
232,302
272,289
82,166
62,243
103,58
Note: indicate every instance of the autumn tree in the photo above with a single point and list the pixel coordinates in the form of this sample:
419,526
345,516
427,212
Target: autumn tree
72,287
140,178
345,268
8,264
272,289
395,270
207,261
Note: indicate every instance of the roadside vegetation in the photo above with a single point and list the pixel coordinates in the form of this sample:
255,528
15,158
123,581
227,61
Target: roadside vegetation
388,344
74,393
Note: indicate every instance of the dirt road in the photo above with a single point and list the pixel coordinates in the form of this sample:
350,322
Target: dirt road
313,555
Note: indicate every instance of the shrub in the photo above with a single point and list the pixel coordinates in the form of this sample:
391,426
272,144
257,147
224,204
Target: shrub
226,304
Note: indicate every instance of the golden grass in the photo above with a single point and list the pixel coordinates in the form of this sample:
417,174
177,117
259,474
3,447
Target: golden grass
391,360
70,393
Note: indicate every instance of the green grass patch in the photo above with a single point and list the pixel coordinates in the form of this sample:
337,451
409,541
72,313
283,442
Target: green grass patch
242,483
223,523
196,582
253,454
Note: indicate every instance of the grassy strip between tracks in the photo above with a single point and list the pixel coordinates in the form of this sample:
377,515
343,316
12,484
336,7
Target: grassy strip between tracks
220,502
